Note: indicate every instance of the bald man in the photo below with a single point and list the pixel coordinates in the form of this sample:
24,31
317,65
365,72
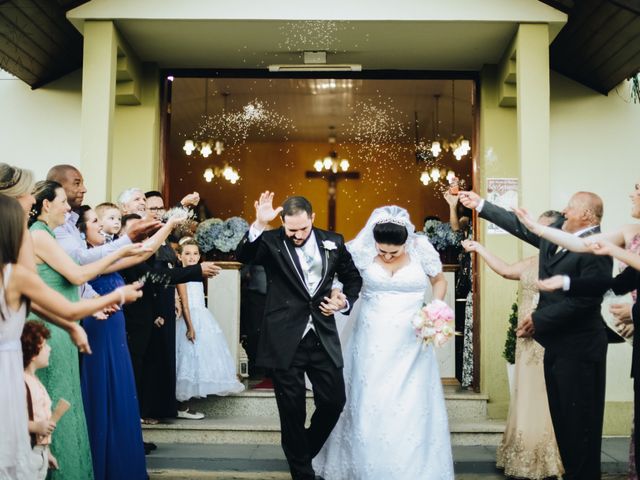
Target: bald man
68,235
571,330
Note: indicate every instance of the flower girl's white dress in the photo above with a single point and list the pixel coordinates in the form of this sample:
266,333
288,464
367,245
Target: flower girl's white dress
394,424
204,367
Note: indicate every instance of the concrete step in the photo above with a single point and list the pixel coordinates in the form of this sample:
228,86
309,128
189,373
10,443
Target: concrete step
267,462
461,404
263,430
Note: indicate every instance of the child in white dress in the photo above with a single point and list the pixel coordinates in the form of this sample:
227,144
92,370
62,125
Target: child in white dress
204,365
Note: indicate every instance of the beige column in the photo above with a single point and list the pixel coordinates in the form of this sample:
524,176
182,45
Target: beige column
532,67
98,99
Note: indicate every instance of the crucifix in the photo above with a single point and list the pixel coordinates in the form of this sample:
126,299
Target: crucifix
332,179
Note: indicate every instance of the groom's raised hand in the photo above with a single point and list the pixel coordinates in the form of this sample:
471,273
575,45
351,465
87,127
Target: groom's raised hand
265,212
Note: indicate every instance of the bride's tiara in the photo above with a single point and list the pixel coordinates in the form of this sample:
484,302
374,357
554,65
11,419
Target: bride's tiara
397,221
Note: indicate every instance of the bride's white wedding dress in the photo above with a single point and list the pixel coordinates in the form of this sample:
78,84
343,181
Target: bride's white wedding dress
394,424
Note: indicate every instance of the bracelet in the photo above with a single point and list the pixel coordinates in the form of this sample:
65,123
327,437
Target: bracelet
119,290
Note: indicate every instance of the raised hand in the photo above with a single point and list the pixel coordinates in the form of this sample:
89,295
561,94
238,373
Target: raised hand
601,247
525,218
210,269
550,284
132,250
130,293
142,229
451,199
265,212
471,245
469,199
190,200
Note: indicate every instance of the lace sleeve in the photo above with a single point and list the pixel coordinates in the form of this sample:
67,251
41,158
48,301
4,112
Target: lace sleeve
429,258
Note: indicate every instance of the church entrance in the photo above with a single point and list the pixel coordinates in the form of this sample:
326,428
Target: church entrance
347,143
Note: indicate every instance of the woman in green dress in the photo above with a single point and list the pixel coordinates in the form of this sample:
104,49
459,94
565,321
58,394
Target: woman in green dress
61,378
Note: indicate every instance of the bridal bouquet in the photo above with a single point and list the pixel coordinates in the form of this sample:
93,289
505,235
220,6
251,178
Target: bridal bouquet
434,323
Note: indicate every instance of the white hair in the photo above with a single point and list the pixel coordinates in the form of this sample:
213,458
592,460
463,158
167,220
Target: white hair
126,196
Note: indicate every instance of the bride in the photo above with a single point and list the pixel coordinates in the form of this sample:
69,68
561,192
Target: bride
394,424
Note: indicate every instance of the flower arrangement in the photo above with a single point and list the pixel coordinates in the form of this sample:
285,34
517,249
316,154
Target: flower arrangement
434,323
224,236
441,235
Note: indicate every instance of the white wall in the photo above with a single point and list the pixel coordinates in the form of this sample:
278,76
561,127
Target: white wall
595,141
40,128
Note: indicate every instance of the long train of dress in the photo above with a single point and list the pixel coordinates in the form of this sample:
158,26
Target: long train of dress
394,425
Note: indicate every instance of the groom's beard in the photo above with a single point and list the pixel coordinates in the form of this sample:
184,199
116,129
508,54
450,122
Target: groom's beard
301,244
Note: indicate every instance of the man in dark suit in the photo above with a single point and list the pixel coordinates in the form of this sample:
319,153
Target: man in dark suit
571,330
299,332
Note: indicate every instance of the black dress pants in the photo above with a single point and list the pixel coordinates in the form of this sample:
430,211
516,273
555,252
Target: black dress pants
576,390
301,444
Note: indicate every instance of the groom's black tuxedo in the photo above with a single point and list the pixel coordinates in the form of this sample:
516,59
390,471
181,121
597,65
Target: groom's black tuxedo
289,303
574,336
283,349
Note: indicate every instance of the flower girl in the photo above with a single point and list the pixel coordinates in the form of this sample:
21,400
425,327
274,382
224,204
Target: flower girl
204,365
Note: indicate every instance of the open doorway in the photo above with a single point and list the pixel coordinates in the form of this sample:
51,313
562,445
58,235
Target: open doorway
347,144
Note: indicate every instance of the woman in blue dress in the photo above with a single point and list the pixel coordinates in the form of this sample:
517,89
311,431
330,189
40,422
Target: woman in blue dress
108,386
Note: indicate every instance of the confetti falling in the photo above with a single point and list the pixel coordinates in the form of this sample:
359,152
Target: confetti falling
311,35
234,127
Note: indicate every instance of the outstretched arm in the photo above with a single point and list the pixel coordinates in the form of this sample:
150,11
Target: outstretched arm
510,271
47,249
565,239
501,217
32,286
452,200
604,247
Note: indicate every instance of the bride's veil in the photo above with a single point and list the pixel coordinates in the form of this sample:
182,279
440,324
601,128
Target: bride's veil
363,247
363,251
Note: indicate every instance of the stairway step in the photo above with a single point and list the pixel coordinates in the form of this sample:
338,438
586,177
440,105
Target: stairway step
266,431
461,404
267,462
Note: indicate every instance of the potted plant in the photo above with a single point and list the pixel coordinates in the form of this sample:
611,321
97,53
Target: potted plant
509,352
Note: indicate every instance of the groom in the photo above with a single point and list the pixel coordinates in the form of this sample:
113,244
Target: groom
299,332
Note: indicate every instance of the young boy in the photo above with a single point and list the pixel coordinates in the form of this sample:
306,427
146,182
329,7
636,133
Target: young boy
111,218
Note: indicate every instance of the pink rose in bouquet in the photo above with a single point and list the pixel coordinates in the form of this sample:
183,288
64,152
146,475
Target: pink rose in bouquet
434,323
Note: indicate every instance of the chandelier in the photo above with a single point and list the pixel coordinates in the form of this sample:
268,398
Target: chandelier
228,173
456,144
433,171
436,174
331,162
208,146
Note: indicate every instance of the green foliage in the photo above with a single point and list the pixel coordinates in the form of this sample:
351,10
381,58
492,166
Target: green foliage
635,88
509,352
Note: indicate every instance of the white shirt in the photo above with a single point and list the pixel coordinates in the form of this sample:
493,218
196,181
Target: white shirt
311,278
